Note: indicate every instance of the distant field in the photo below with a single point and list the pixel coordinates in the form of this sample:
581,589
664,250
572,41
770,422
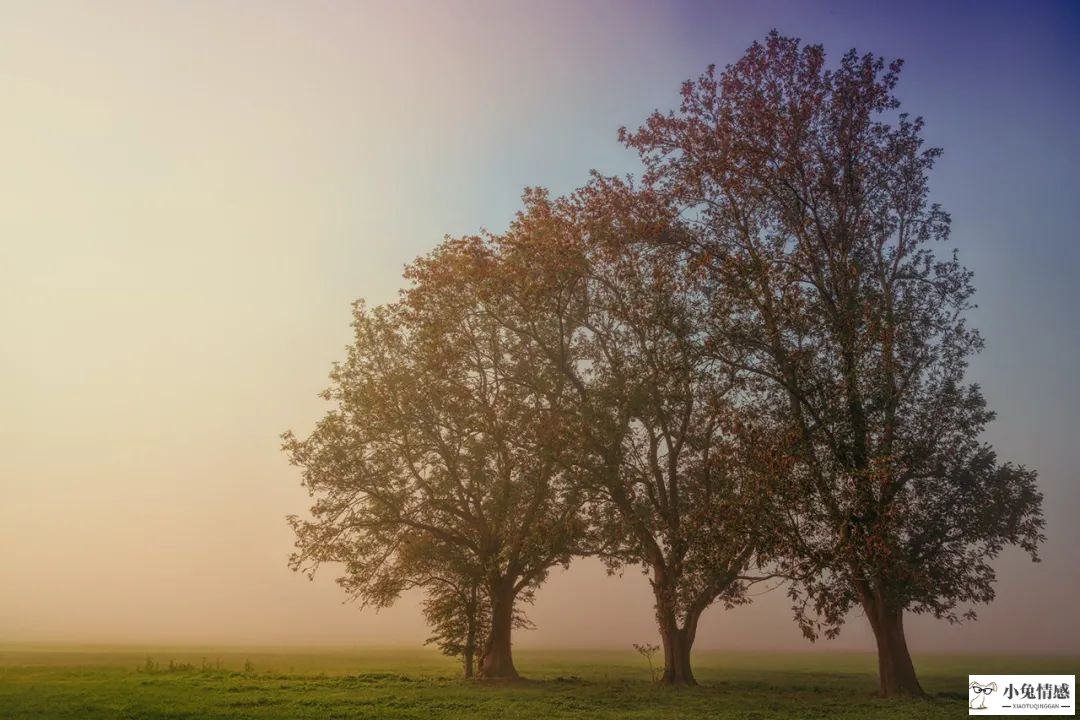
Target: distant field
111,683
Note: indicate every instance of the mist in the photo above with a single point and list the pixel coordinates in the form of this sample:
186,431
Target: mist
194,196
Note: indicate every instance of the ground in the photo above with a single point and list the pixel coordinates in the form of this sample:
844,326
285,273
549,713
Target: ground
114,683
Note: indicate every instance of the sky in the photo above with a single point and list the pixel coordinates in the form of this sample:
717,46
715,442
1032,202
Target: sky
192,195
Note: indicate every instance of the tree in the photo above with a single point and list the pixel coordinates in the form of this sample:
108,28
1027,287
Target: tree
437,453
457,616
654,420
806,191
455,605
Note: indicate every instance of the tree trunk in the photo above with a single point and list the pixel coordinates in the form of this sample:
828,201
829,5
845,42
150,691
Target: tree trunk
896,672
498,661
676,640
677,671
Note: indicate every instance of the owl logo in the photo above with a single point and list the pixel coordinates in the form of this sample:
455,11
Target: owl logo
979,693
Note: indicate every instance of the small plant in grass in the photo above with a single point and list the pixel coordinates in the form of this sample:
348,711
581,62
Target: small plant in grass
152,666
209,667
647,651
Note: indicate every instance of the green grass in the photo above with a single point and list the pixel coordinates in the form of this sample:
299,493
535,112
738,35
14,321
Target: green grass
103,683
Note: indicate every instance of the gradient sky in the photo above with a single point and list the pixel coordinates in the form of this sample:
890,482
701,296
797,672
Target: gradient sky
193,193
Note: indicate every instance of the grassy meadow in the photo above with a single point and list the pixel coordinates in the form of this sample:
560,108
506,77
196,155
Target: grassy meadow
92,683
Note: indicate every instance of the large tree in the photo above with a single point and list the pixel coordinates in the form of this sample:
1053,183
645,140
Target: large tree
654,416
438,454
806,192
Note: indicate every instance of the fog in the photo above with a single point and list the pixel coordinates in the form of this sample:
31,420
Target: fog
194,193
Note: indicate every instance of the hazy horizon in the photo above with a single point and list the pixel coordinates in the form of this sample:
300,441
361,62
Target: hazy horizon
196,193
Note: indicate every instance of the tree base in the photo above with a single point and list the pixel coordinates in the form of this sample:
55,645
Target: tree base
498,669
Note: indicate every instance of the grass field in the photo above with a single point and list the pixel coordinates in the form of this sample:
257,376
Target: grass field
112,683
